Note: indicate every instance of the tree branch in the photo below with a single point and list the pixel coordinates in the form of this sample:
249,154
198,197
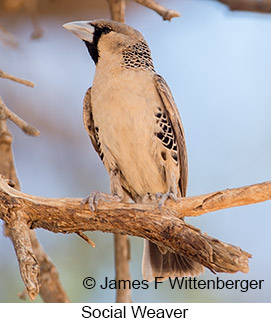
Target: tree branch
117,9
7,38
6,113
122,258
51,290
165,13
263,6
38,272
20,236
16,79
144,220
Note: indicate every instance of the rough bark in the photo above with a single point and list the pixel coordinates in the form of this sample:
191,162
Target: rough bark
38,272
51,289
167,229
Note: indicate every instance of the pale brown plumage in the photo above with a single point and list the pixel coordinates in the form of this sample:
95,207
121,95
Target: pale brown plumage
135,127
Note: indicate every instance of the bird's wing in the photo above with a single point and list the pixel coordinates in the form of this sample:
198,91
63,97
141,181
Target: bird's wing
173,115
89,123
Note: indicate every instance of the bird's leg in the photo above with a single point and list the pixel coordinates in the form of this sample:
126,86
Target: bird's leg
172,193
115,185
117,193
163,197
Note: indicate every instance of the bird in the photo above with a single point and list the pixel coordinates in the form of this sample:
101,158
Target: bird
135,127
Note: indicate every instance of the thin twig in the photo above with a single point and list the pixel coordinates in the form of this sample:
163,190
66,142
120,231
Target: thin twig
8,38
23,294
16,79
262,6
86,238
32,8
117,10
23,125
165,13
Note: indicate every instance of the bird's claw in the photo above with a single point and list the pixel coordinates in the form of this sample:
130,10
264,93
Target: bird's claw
161,198
93,199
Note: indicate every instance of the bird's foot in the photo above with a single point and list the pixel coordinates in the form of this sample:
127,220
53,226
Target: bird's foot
161,198
93,199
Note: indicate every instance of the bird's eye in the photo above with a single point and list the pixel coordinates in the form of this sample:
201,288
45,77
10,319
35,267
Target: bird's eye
106,30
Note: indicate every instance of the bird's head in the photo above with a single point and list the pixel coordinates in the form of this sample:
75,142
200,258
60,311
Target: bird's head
104,35
113,39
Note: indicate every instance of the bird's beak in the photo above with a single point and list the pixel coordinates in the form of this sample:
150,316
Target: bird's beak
82,29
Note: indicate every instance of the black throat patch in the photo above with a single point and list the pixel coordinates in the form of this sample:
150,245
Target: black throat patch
93,47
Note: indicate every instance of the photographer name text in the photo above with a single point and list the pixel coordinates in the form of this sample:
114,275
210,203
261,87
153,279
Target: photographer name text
185,283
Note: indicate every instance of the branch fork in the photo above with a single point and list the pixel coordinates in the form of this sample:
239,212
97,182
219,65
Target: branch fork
37,271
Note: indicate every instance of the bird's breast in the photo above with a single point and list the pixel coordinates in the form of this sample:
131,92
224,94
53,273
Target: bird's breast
123,106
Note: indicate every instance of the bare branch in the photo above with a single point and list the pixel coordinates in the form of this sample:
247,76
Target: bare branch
51,290
197,205
8,38
117,9
20,236
32,8
26,127
263,6
6,156
144,220
35,266
86,238
167,14
122,258
16,79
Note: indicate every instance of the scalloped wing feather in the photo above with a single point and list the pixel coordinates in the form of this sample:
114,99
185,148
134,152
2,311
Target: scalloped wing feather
89,123
174,116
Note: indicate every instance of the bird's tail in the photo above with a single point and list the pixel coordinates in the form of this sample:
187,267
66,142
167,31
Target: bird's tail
159,263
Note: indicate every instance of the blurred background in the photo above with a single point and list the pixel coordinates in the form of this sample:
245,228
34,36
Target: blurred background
218,66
